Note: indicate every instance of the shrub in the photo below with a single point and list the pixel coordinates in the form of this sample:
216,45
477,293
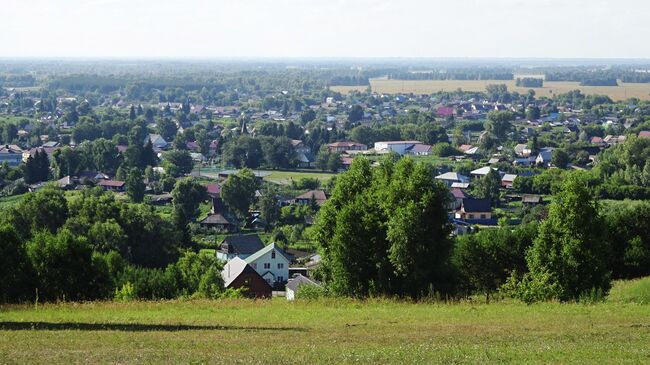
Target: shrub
126,293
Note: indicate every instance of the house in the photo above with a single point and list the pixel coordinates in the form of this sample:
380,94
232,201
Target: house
481,172
450,178
508,180
318,196
544,157
597,141
305,159
445,111
156,140
219,218
214,190
530,199
522,150
237,274
644,134
296,282
272,264
241,246
346,146
11,154
399,147
457,196
419,149
476,210
112,185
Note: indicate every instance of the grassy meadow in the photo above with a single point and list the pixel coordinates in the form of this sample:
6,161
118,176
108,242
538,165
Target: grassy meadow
386,86
275,176
327,331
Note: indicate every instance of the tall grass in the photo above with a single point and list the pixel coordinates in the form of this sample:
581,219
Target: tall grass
630,291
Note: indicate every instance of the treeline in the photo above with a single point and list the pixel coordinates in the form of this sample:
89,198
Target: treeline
454,74
530,82
385,231
91,246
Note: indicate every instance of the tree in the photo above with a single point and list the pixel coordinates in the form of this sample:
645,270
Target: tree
187,195
14,266
132,114
269,205
167,129
47,209
105,155
560,158
238,192
488,186
533,113
278,152
178,163
244,151
569,256
499,124
385,231
64,267
135,185
307,116
485,260
355,113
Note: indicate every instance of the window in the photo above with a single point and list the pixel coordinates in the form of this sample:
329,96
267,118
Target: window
482,216
267,265
470,216
280,278
280,265
272,254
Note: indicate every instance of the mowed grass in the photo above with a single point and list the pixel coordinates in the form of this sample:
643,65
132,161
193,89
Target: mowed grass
385,86
285,177
331,331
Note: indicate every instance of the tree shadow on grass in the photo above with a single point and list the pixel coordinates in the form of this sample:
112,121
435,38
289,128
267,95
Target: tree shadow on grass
131,327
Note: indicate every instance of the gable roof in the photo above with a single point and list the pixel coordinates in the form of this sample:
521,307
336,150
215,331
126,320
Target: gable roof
242,244
265,250
452,176
482,171
509,177
644,134
233,268
471,205
317,195
299,280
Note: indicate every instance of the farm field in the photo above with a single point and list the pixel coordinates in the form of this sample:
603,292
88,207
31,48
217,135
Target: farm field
276,176
328,331
386,86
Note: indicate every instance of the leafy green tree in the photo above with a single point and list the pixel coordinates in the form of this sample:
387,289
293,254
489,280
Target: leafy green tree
135,185
105,156
355,113
569,256
167,129
187,195
269,205
243,151
14,266
560,158
499,124
64,267
238,192
385,231
485,260
178,163
46,209
488,186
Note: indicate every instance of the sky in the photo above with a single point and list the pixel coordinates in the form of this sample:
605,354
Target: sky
325,28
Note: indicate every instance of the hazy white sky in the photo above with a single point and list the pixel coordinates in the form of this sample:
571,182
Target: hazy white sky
325,28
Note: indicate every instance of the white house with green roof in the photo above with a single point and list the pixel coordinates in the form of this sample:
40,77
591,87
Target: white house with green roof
272,263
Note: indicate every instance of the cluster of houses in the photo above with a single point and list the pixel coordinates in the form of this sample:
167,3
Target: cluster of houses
260,269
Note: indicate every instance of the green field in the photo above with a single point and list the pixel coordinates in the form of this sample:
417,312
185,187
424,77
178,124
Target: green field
331,331
276,176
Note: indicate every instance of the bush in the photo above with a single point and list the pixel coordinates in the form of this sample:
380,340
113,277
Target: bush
126,293
630,291
311,292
